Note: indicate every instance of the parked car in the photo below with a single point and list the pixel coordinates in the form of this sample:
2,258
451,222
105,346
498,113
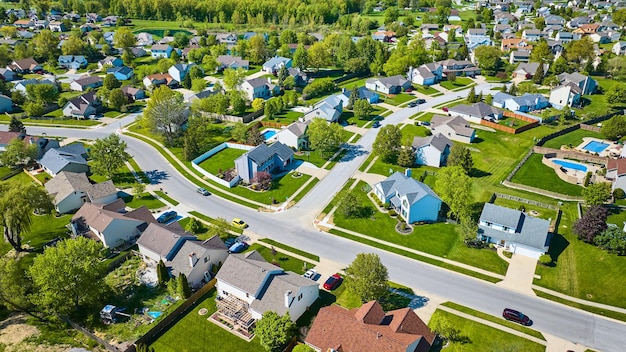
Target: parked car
239,223
408,90
376,124
167,217
310,274
238,247
420,101
203,191
332,282
445,108
518,317
412,104
425,123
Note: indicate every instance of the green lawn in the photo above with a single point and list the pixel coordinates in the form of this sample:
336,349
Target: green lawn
147,199
291,249
44,228
425,116
214,221
354,82
535,174
459,82
54,121
573,138
222,160
425,89
285,261
167,198
282,188
123,178
194,333
398,99
538,212
479,337
411,131
512,122
312,156
287,117
306,190
596,104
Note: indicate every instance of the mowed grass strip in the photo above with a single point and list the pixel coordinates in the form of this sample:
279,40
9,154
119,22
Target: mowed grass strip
222,160
291,249
535,174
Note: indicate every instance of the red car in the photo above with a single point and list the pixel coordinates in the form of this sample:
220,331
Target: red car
518,317
445,109
332,282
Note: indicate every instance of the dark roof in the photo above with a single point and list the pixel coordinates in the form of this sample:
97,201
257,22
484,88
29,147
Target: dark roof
438,141
84,81
262,152
529,231
481,110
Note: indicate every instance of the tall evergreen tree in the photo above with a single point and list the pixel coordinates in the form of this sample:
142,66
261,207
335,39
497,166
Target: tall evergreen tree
163,276
183,286
16,125
538,76
353,97
471,96
513,89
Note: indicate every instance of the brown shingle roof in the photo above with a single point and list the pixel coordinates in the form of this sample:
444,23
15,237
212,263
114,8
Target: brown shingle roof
617,164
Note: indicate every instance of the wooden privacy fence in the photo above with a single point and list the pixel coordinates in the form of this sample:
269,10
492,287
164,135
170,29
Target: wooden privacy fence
508,129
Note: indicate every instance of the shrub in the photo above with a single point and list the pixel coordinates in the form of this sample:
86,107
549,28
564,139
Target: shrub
392,212
587,179
545,259
619,193
522,208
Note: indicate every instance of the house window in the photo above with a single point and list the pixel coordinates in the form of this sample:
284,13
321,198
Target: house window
506,228
300,297
489,224
206,259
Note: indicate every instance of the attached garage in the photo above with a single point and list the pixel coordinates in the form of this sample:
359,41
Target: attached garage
526,251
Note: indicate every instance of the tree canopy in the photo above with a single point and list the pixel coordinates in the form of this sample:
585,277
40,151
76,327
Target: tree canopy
597,193
274,331
108,155
591,223
461,156
367,277
387,143
165,113
454,187
325,137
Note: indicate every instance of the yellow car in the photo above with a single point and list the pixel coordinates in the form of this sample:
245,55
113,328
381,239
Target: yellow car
239,223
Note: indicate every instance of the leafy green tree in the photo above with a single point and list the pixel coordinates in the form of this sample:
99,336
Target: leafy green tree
302,348
541,53
616,95
283,73
258,104
513,89
406,156
165,113
318,87
46,45
613,240
348,205
538,76
254,136
580,51
239,132
164,64
163,275
233,78
144,348
354,96
489,99
138,189
540,23
183,286
454,187
387,143
18,153
324,137
461,156
43,93
257,49
69,276
198,84
33,108
271,108
467,228
441,326
194,226
362,109
301,57
367,277
186,83
488,59
318,55
124,39
614,128
597,193
16,125
74,45
15,287
108,155
471,96
117,99
274,331
238,102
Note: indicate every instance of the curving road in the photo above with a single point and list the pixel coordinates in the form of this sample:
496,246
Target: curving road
294,227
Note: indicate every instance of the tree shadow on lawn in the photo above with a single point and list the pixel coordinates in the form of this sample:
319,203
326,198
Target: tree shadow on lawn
479,173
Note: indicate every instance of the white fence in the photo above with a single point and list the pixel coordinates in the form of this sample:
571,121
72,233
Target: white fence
210,153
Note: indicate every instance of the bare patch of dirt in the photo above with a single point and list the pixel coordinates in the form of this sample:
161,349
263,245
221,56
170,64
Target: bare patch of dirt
14,330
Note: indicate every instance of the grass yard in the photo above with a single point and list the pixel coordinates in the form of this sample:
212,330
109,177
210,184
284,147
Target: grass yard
398,99
284,261
573,138
287,117
147,199
54,121
583,270
459,82
479,337
312,156
282,188
596,104
43,229
291,249
123,178
425,89
214,221
166,197
539,212
512,122
354,82
425,116
411,131
195,333
535,174
222,160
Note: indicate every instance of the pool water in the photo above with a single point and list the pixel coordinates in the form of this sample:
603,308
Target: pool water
570,165
267,134
596,147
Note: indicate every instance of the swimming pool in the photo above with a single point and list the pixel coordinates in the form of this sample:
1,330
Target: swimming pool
570,165
267,134
595,146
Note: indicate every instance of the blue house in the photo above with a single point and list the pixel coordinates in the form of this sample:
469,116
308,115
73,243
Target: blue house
364,93
122,73
161,51
274,64
413,200
275,158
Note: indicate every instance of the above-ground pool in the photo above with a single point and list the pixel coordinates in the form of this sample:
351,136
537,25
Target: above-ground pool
570,165
595,146
267,134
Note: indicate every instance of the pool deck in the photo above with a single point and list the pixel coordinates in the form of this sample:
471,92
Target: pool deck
613,149
573,176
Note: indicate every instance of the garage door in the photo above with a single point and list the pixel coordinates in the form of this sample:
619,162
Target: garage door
527,251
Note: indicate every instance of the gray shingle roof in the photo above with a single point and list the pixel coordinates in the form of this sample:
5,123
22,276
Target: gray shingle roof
88,80
404,185
529,231
162,240
180,263
298,128
481,110
66,183
438,141
457,123
262,152
57,158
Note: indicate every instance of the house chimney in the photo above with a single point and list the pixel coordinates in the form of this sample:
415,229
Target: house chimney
378,335
193,259
407,172
288,298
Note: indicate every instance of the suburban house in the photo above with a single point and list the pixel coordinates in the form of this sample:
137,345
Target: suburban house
82,106
460,67
24,23
259,88
425,75
273,65
248,286
476,37
525,103
27,65
619,48
6,104
532,35
276,157
294,135
300,78
110,223
515,44
528,69
21,85
144,39
84,83
70,190
157,79
384,36
234,62
564,37
413,200
476,112
88,27
226,38
43,144
518,56
565,95
182,252
585,83
133,93
518,232
121,73
180,71
67,158
111,61
8,75
455,128
363,93
73,62
432,150
57,26
161,51
369,328
329,109
616,173
388,85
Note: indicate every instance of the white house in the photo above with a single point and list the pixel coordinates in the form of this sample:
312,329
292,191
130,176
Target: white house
73,62
70,190
413,200
251,286
525,103
565,95
82,106
515,230
274,64
294,135
388,85
476,112
616,173
455,128
425,75
432,150
259,88
329,109
86,82
182,252
161,51
180,71
144,39
619,48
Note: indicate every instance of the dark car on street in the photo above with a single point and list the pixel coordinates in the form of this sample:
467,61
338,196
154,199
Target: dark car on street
515,316
167,217
420,101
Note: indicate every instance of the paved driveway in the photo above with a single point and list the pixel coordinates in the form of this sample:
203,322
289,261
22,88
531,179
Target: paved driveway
520,274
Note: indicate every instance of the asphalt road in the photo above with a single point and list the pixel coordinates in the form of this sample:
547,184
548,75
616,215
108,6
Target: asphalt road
294,227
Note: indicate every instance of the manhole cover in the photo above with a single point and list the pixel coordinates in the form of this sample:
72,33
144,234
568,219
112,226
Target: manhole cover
203,311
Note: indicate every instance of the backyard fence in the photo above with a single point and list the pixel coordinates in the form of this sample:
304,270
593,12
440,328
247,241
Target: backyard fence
91,335
519,165
540,191
558,169
323,73
522,200
570,154
507,129
173,317
584,126
273,124
523,117
195,163
347,77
